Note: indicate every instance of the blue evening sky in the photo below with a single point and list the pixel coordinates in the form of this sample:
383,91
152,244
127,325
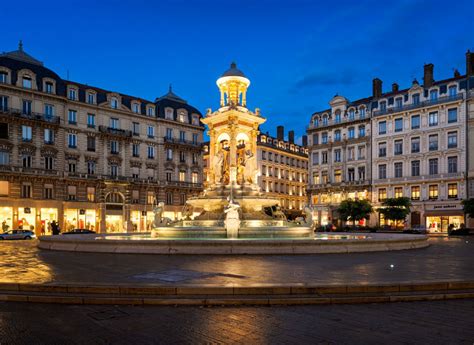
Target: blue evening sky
297,54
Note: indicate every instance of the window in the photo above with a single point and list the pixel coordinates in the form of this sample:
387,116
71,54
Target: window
452,115
151,132
136,108
90,143
382,149
71,167
72,117
399,125
48,110
398,147
182,136
337,135
91,168
361,152
433,95
114,123
26,133
415,168
452,190
452,140
196,120
151,152
452,165
26,190
72,140
114,147
337,155
382,171
26,161
150,111
433,119
194,158
337,117
324,138
415,145
48,87
135,128
315,157
338,176
182,117
169,133
169,154
382,194
382,127
415,193
71,193
398,103
195,138
90,120
351,174
361,173
182,176
150,198
4,158
48,136
169,175
4,103
182,157
90,98
350,153
433,142
26,82
416,98
91,194
433,166
433,191
415,122
362,113
72,94
114,103
398,168
351,133
113,170
169,198
136,150
324,157
48,163
452,91
26,108
48,191
383,106
361,131
3,77
325,120
398,192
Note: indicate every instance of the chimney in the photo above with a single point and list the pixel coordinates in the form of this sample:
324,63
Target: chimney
428,75
291,137
469,63
376,88
395,87
280,133
304,140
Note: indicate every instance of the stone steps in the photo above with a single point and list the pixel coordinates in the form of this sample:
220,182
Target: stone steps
208,295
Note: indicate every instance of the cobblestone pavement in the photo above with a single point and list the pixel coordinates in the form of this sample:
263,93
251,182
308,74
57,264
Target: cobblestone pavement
443,322
445,259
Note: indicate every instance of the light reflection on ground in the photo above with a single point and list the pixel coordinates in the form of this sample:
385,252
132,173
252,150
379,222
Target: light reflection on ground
318,237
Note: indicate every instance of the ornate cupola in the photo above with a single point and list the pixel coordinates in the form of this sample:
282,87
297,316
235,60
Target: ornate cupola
233,86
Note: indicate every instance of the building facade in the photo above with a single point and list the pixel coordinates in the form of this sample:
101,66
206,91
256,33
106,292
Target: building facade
339,150
283,167
88,157
417,147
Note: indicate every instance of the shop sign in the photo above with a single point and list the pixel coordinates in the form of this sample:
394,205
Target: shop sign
27,210
82,211
144,213
444,207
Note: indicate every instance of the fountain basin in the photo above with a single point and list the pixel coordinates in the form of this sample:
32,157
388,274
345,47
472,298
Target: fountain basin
146,244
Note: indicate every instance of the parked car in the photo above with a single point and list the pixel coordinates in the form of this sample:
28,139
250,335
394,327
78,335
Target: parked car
418,229
78,232
17,235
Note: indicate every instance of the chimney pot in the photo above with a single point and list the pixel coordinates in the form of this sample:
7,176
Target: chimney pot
280,132
428,77
395,87
377,88
291,137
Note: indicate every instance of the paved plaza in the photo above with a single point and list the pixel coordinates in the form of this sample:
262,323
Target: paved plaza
443,322
445,259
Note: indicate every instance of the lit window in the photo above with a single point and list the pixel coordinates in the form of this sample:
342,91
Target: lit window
415,193
433,192
194,177
382,194
452,190
90,194
398,192
182,176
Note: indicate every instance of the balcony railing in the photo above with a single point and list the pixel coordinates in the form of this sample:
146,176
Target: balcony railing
30,116
115,131
338,184
167,139
183,184
420,178
439,100
344,120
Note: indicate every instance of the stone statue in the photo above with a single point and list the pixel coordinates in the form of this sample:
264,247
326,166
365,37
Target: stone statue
308,219
159,220
217,166
232,218
251,171
277,213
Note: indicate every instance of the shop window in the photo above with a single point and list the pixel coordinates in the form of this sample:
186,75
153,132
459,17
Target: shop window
452,190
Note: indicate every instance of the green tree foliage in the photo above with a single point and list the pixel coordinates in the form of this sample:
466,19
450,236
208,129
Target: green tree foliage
396,209
354,210
468,207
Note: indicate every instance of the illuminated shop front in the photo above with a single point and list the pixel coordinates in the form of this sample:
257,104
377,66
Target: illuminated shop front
27,218
46,217
78,218
142,221
6,218
439,217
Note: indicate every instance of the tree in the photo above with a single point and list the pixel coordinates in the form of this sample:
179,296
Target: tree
396,209
468,207
354,210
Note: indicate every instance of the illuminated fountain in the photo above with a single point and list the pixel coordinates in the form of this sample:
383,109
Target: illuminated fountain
232,205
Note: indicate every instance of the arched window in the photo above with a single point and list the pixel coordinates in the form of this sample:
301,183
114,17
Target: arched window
337,117
114,198
362,112
351,114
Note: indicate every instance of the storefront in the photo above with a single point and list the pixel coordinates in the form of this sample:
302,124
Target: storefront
440,217
142,221
78,218
47,215
27,218
6,218
114,223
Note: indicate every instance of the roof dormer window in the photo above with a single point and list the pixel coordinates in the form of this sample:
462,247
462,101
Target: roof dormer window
196,120
150,111
90,98
136,108
3,77
182,116
169,114
26,82
72,94
114,103
48,87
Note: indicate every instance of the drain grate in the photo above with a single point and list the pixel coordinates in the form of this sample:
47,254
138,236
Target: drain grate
174,276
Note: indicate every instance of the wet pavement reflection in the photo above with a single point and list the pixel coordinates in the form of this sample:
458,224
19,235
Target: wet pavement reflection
445,259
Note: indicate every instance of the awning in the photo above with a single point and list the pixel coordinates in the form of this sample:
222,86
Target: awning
444,213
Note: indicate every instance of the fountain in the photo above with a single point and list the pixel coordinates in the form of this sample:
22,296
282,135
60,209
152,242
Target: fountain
235,216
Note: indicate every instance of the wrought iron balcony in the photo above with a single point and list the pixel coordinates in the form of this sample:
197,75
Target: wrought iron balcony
170,140
30,116
115,131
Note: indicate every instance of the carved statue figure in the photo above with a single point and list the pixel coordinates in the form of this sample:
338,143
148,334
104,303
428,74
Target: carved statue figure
308,211
251,171
217,165
232,218
158,213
